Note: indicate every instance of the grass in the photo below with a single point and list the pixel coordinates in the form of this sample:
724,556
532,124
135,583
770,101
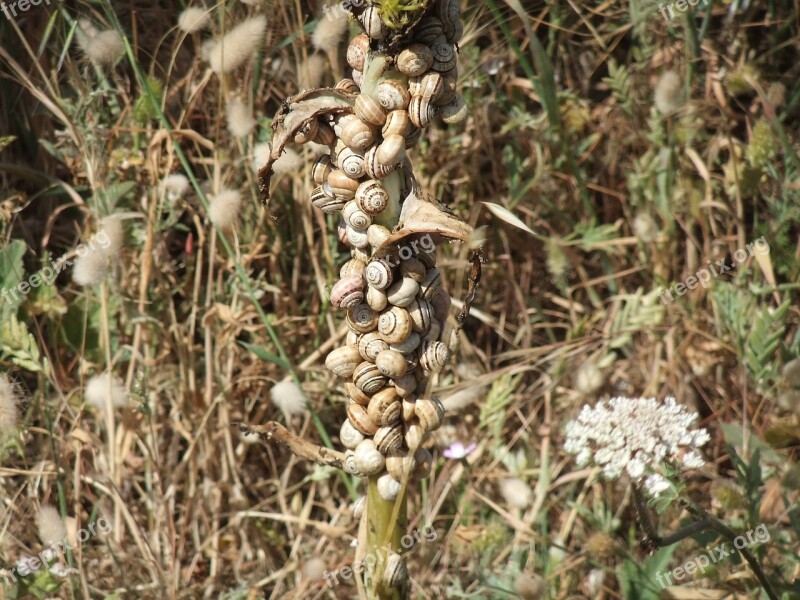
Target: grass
617,201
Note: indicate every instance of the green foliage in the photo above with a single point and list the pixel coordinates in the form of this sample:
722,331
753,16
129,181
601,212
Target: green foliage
638,579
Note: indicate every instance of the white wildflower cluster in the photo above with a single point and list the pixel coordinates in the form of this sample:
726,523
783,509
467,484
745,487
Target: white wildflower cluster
636,436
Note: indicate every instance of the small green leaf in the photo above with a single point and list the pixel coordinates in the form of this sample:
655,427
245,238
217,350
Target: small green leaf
267,356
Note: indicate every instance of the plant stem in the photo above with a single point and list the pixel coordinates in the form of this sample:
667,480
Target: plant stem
706,522
383,534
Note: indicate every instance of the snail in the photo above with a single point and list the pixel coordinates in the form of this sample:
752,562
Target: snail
379,274
403,292
356,395
397,123
377,235
343,361
355,217
389,439
357,134
392,95
408,345
360,419
372,23
342,185
357,51
421,315
369,110
421,111
395,325
376,298
391,363
406,385
348,291
368,459
392,150
430,413
351,162
321,169
370,345
455,111
372,197
348,86
434,356
415,60
388,488
368,378
362,319
354,266
324,199
350,436
384,407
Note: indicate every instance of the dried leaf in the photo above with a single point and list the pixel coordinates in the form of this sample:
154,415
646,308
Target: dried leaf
502,213
295,114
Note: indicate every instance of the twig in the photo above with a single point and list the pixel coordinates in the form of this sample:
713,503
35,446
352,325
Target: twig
277,433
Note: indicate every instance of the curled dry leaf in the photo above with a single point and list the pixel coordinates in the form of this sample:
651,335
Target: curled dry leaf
423,216
297,112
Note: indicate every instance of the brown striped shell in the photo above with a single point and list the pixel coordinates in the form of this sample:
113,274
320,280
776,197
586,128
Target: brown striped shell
355,217
384,407
397,123
324,199
343,361
369,110
321,169
372,197
415,60
370,345
434,356
348,291
391,363
357,51
391,150
368,378
421,111
395,325
362,319
379,274
392,95
357,134
360,419
430,413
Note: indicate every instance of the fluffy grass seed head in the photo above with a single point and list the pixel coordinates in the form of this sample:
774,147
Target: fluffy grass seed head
312,71
240,118
516,492
174,186
9,406
105,48
101,387
234,48
111,235
91,266
668,96
589,378
636,436
645,228
260,155
50,525
289,398
288,163
224,209
329,31
194,19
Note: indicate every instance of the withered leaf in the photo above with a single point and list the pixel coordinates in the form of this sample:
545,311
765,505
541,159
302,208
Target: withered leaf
296,113
423,216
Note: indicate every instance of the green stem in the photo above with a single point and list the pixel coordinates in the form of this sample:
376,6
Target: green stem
383,534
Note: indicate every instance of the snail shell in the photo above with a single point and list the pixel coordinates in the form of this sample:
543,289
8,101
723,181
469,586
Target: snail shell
391,363
428,258
412,136
369,110
406,385
388,486
455,111
430,86
372,23
430,413
351,162
423,462
398,464
413,268
379,274
367,458
350,436
415,60
356,395
324,199
389,439
392,95
449,11
433,333
341,229
370,345
357,51
414,435
428,29
343,361
454,32
350,463
408,410
440,303
372,197
449,88
377,235
384,407
421,111
348,86
395,325
357,134
362,319
408,345
358,507
360,419
358,78
444,56
342,185
421,315
431,283
355,217
402,293
348,291
307,132
397,123
325,135
375,168
369,379
321,169
351,338
356,237
376,299
392,149
354,266
434,356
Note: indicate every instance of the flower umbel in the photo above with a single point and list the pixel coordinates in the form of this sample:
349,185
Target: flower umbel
636,436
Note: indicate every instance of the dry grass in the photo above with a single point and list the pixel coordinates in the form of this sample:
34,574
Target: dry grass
621,201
